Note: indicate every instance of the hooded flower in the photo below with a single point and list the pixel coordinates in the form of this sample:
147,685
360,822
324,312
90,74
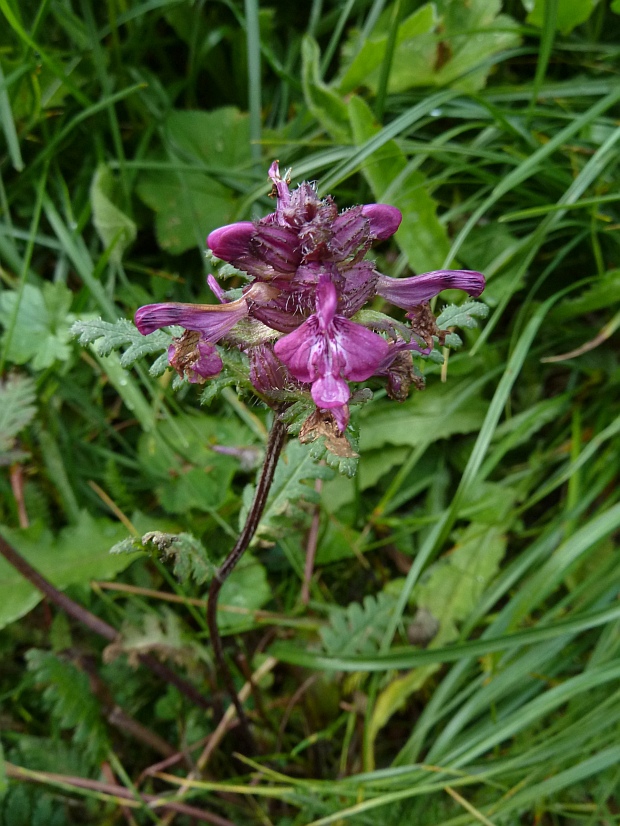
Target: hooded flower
327,349
308,277
410,292
302,240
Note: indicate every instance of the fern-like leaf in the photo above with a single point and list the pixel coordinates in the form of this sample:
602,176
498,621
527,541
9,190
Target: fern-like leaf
358,628
464,315
190,559
107,336
71,701
17,409
296,471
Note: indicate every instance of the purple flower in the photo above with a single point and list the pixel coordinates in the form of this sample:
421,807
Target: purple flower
327,349
308,278
302,240
410,292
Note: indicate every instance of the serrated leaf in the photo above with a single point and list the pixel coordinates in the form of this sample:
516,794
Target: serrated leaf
462,315
296,469
161,635
191,560
112,224
365,68
107,336
358,628
17,408
72,703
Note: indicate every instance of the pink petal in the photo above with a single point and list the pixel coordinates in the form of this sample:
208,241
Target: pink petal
301,350
231,242
409,292
330,391
384,220
211,320
360,351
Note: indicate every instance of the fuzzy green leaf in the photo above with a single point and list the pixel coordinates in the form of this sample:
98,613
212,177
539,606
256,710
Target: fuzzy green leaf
107,336
463,315
71,701
17,409
358,628
190,559
296,471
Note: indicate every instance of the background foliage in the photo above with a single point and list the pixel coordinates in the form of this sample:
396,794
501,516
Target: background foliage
458,659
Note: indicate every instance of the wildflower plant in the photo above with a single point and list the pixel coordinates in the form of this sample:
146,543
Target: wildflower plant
302,324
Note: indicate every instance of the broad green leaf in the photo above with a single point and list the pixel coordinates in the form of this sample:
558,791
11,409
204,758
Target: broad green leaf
220,139
421,236
188,205
41,332
78,554
115,228
325,104
365,68
425,416
247,589
439,44
472,33
17,409
570,13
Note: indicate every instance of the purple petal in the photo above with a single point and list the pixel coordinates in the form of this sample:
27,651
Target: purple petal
409,292
326,302
211,320
360,351
301,350
341,415
330,391
217,291
232,241
358,288
275,245
384,220
350,234
282,191
208,364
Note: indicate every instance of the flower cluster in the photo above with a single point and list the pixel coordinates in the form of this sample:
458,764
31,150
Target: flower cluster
295,317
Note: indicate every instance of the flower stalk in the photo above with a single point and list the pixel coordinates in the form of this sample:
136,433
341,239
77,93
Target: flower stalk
275,443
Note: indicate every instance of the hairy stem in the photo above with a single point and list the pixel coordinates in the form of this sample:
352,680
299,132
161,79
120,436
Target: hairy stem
275,443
